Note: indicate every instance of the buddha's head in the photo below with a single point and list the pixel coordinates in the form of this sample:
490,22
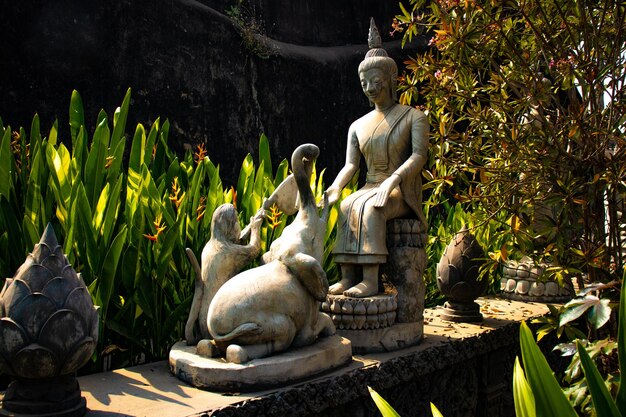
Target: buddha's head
377,59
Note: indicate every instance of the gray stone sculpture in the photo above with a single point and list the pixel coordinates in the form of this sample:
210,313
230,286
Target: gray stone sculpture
524,280
266,310
48,330
222,258
458,278
393,139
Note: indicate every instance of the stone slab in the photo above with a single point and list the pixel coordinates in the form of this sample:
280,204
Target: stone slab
293,365
151,390
386,339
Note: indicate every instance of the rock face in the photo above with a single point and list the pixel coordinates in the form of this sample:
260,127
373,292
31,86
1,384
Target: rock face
48,329
187,60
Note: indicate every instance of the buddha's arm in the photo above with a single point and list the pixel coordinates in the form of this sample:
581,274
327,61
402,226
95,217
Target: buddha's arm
353,157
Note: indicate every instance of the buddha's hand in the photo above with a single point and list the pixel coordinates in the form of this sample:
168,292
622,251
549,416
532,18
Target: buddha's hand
385,189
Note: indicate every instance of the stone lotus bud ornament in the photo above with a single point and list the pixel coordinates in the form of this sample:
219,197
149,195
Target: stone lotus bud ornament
48,330
458,280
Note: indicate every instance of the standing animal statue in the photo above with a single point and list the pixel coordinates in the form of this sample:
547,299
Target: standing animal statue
266,310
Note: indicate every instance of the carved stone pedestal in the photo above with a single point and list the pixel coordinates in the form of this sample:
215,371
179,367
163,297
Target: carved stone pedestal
521,282
295,364
395,319
461,312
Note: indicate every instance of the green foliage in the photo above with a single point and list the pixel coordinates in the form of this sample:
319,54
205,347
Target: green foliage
526,101
523,393
578,321
444,220
125,226
542,385
385,409
592,394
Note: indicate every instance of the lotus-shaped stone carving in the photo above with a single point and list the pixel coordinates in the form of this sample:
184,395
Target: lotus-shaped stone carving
458,277
48,323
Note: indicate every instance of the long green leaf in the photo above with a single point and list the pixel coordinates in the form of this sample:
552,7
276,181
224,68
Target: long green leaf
385,409
89,236
602,401
54,132
245,174
549,398
77,116
100,208
522,393
112,210
79,154
95,167
137,150
6,164
17,251
34,198
151,142
115,163
108,274
264,155
59,162
119,121
177,316
435,410
620,398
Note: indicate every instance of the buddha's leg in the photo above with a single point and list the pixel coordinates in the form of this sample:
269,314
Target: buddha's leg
348,279
369,285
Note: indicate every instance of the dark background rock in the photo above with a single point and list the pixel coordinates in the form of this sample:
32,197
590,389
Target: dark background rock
187,61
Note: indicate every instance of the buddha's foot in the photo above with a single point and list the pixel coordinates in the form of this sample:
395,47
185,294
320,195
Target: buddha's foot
340,287
361,290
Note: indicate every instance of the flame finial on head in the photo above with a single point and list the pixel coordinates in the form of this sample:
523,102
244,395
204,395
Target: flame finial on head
373,37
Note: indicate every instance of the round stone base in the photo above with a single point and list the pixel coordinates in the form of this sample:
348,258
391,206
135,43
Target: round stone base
461,312
55,397
216,374
78,410
521,282
387,339
351,313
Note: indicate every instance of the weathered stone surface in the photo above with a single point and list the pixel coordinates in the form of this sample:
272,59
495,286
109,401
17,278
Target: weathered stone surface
384,339
372,312
185,60
458,277
405,270
523,281
465,369
278,370
48,329
268,309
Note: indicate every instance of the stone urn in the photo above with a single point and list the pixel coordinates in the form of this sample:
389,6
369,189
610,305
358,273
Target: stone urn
48,330
457,278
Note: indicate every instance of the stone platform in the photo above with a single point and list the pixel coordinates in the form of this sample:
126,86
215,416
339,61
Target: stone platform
463,368
293,365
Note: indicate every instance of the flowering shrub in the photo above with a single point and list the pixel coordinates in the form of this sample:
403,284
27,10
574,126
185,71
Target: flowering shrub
527,103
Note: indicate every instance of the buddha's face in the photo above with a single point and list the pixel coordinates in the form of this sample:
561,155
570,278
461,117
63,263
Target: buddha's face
375,84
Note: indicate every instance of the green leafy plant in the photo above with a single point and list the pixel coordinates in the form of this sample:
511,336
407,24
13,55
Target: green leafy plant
387,410
526,104
125,224
536,381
